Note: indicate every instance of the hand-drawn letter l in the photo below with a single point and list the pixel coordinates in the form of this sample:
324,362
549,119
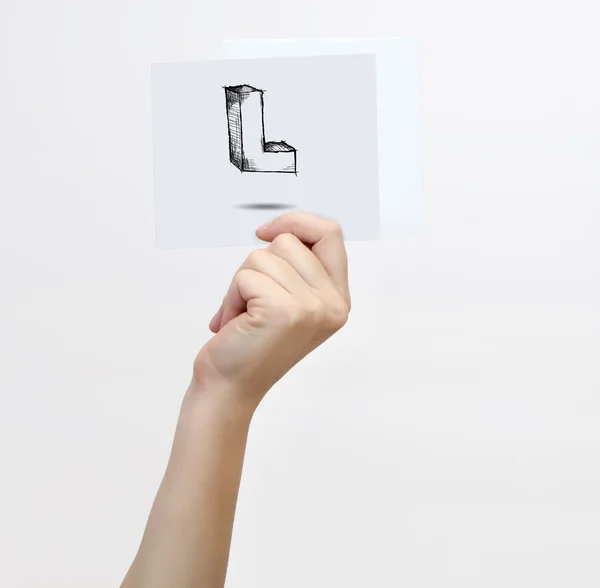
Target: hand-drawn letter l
248,150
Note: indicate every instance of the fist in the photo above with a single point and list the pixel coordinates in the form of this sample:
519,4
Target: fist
283,302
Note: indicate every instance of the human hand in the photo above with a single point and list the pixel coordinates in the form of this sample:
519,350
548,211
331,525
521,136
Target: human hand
284,301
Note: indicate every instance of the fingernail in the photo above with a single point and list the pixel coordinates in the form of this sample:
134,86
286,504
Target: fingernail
264,227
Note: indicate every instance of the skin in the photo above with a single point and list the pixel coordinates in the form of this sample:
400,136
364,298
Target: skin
284,301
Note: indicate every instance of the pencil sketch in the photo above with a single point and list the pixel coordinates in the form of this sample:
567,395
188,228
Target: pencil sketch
248,150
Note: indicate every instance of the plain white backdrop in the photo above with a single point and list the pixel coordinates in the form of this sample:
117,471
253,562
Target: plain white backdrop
448,436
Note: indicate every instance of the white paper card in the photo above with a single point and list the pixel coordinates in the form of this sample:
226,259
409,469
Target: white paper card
238,142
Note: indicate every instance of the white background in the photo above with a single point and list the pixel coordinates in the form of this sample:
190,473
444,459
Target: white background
448,436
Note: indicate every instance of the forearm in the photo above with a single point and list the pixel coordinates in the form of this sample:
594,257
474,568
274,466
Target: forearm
188,534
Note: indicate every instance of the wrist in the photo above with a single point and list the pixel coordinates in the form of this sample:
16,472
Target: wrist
219,402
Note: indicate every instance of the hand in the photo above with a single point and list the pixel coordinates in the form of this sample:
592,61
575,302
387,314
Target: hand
283,302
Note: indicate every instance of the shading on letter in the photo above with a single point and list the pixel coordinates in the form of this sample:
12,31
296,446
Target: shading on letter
248,150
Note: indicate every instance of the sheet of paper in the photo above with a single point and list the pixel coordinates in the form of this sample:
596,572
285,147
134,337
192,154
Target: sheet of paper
237,142
398,115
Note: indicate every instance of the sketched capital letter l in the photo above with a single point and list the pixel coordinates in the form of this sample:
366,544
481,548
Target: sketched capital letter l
248,150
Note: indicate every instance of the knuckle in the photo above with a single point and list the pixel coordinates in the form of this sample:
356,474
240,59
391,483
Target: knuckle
337,315
291,313
324,314
348,303
314,312
244,275
284,240
334,228
256,258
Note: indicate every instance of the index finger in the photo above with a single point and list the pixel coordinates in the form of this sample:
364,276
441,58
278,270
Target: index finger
323,236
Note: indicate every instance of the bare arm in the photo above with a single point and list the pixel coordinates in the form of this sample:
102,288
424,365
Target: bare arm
283,302
187,538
